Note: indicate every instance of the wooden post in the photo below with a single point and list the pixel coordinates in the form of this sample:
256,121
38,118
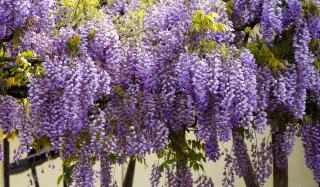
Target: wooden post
35,176
128,179
6,163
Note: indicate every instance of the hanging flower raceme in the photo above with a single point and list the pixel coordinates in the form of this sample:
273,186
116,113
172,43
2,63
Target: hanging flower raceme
311,141
11,115
240,153
284,146
204,181
247,10
25,15
271,19
121,82
262,160
155,176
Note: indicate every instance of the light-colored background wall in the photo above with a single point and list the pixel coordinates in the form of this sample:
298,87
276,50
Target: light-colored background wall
299,174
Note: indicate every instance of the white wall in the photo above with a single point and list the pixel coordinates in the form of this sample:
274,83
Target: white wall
299,174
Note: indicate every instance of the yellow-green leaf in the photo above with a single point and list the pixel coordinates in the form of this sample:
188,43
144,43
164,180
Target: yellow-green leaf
247,29
11,81
16,38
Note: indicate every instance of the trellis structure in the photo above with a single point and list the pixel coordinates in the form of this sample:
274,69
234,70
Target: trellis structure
33,160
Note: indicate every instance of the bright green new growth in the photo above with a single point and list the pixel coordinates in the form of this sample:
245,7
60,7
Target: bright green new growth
202,22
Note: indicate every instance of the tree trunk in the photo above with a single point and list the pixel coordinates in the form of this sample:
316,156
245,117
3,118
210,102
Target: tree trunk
280,175
250,178
178,141
128,179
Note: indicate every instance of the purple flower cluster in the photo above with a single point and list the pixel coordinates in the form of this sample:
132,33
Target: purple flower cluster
100,40
204,181
171,178
308,75
83,175
246,11
105,172
61,103
293,14
103,94
155,176
25,14
271,19
9,114
262,160
223,92
311,144
184,176
283,146
12,117
240,154
228,173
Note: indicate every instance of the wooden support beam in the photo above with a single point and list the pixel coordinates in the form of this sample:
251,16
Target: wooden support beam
32,160
6,163
35,176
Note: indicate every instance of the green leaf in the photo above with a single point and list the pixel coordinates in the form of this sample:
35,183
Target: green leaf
247,29
195,27
275,64
224,50
310,8
201,167
195,166
202,22
74,44
92,35
229,7
307,118
16,38
27,54
146,2
213,16
317,64
60,179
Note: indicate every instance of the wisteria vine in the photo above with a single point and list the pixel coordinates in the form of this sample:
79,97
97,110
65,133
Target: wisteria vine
110,80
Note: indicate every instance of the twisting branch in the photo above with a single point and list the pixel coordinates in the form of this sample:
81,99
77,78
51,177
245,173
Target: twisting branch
8,38
18,92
